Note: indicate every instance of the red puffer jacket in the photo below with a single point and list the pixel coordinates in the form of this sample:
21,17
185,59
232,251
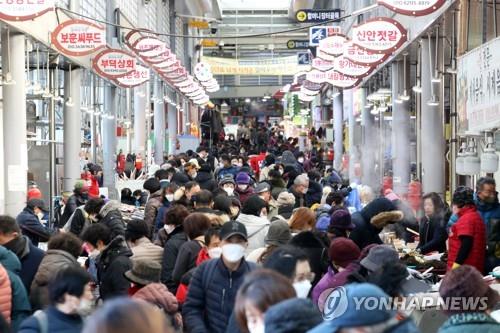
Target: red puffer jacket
5,294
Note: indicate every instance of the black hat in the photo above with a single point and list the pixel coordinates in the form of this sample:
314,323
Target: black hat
152,185
462,196
144,272
232,228
136,229
32,203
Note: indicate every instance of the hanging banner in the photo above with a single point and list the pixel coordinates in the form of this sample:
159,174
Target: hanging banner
299,77
334,78
311,86
322,64
333,45
478,88
347,67
414,7
135,78
113,63
379,35
362,57
273,66
213,89
78,38
150,47
24,10
317,15
324,56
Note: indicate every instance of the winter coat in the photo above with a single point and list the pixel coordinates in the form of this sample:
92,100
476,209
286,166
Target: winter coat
111,264
160,216
79,221
316,250
370,221
170,253
277,186
211,296
284,213
161,238
154,203
244,195
231,170
432,231
58,322
469,224
5,294
186,259
331,280
112,218
300,199
158,294
314,193
53,262
30,257
206,180
144,249
470,323
21,307
74,201
490,213
288,159
32,227
257,228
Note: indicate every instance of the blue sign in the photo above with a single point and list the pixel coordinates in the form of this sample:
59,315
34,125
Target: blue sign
304,58
316,34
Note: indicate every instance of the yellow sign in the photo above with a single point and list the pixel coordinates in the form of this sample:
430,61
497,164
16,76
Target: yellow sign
198,24
301,16
269,66
209,43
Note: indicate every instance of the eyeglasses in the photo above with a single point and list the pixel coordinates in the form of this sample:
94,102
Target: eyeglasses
307,276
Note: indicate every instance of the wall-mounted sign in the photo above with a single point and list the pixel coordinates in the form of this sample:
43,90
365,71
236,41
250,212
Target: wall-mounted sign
135,78
318,33
316,16
78,37
209,43
379,35
333,45
334,78
412,8
347,67
322,64
23,10
113,63
362,57
294,44
304,58
202,71
198,24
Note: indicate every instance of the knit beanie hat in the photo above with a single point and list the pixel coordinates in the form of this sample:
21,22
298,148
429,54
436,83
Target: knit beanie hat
378,256
278,234
253,205
34,193
343,251
341,219
152,185
242,178
466,281
292,315
286,199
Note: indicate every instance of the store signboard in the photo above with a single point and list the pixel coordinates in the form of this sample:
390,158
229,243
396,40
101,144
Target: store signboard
24,10
478,88
322,65
262,66
333,45
135,78
317,15
324,56
347,67
113,63
78,37
362,57
414,7
379,35
150,47
334,78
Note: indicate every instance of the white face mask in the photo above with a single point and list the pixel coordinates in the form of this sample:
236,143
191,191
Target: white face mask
305,190
169,197
302,288
233,252
85,307
40,215
281,171
300,160
242,187
194,174
169,228
229,190
215,252
257,327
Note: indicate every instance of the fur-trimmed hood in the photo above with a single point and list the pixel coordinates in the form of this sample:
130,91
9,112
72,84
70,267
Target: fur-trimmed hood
375,213
382,219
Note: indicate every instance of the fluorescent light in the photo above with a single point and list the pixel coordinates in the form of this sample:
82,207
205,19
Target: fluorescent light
247,100
368,105
387,117
374,111
384,91
405,97
433,101
436,79
398,101
224,104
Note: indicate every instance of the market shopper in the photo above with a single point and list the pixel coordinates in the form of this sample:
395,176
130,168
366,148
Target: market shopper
31,222
467,237
432,226
254,216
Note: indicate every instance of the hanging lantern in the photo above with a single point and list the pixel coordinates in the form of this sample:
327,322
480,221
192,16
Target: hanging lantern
459,162
472,163
489,157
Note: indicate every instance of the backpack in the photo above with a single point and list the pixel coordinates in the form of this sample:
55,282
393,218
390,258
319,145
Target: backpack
43,322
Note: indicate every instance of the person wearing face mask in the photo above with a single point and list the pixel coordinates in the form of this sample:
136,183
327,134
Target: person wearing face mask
214,285
183,195
292,262
243,187
227,186
226,169
166,202
70,297
30,221
205,158
262,289
254,216
136,235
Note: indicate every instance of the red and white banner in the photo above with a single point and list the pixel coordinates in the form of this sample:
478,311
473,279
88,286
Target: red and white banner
213,89
380,35
414,7
78,37
190,88
150,47
113,63
136,78
322,64
323,55
362,57
347,67
24,10
333,77
188,81
333,45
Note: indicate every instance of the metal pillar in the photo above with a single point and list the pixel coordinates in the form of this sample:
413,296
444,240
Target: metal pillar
159,123
400,132
72,128
172,128
349,109
52,137
432,139
139,120
338,132
369,145
14,123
